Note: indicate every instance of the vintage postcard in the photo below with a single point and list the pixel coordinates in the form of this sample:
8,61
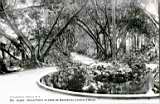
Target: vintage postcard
79,51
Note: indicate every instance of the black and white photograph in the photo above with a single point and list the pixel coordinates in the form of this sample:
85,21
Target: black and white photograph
79,51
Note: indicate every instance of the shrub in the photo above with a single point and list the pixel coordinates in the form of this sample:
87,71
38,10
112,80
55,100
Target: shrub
108,79
77,81
70,79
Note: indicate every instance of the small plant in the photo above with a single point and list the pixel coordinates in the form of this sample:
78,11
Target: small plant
77,81
70,79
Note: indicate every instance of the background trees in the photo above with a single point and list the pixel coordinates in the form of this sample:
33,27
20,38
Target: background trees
38,27
130,29
103,29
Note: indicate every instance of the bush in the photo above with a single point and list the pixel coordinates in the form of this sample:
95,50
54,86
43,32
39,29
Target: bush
136,63
113,78
156,88
70,79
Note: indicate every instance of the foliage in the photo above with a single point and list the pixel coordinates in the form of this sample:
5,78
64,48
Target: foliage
48,32
95,21
113,78
72,79
137,63
38,28
84,45
59,59
49,24
156,81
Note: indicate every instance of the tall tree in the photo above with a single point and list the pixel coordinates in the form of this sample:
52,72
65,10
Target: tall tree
24,39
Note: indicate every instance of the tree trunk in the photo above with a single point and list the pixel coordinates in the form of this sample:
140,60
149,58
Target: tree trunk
14,27
2,47
159,27
114,41
18,32
25,43
159,14
53,40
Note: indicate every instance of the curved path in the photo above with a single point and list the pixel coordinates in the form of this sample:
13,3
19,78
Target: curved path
23,85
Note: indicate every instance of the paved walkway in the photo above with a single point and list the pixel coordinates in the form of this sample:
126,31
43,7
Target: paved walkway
23,85
82,59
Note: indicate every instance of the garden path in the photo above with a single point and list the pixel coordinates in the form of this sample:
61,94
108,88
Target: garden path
23,84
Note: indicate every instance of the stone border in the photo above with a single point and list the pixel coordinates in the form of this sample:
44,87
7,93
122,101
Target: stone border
106,96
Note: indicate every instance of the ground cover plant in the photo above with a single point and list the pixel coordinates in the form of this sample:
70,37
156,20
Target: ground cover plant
112,78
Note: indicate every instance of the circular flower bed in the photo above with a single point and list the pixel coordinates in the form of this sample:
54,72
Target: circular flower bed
112,78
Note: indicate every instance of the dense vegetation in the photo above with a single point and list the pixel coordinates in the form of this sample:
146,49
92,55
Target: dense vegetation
131,77
45,32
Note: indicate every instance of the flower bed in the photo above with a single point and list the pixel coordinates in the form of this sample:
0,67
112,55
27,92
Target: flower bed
113,78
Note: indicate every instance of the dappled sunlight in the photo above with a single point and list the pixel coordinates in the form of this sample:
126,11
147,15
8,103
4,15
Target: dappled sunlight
95,48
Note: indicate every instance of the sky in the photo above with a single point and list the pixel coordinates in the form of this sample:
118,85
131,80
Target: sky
152,7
